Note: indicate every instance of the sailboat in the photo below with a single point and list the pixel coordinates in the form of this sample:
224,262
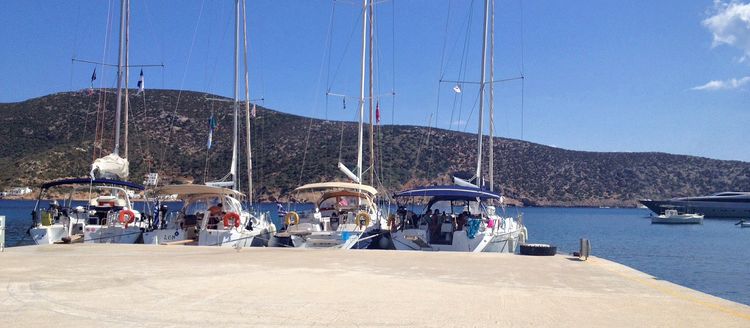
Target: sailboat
459,217
346,214
235,226
109,216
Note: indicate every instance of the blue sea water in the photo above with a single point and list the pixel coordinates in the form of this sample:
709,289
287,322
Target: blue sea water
713,257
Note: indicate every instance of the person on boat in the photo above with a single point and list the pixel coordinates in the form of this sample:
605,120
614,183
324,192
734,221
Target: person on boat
214,215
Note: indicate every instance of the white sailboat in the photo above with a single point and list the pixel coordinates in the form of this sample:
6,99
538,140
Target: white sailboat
235,227
459,217
109,216
346,215
66,221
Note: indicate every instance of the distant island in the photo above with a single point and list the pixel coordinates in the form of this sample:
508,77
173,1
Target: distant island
53,137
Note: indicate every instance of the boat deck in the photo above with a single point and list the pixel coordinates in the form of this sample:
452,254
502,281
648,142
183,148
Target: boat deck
85,285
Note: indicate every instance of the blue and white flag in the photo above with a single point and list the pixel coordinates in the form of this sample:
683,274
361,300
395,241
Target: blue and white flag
140,83
211,127
280,209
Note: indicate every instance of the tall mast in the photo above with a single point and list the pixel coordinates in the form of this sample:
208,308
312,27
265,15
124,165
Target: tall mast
372,130
235,146
481,95
492,99
118,110
362,90
127,77
247,108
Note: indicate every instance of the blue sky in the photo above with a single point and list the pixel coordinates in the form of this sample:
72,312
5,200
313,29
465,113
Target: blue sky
670,76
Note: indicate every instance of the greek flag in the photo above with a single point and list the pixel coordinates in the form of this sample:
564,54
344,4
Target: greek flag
140,83
280,209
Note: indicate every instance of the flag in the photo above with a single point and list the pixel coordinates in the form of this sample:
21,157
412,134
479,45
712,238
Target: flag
344,103
211,127
140,83
93,78
377,112
280,209
253,113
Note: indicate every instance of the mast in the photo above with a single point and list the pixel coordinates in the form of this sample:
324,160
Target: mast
118,110
362,91
481,95
247,108
233,170
127,77
492,99
372,129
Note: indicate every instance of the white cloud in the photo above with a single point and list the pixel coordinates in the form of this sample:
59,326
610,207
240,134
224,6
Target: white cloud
730,25
730,84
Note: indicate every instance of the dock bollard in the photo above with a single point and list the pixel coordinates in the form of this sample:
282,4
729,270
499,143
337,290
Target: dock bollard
585,249
2,233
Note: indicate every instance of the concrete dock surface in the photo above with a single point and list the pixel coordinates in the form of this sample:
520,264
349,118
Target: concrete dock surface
176,286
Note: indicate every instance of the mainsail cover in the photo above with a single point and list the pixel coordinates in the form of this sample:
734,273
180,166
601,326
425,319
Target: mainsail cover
111,166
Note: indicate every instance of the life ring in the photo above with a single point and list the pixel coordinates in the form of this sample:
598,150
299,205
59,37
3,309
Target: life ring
291,218
129,214
364,215
232,216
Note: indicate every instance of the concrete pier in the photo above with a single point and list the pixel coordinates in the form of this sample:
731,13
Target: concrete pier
174,286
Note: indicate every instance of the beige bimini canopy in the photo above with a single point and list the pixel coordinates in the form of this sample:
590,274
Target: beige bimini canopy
338,185
194,189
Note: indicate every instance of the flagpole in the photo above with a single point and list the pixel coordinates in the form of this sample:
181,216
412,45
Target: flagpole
247,109
127,77
118,109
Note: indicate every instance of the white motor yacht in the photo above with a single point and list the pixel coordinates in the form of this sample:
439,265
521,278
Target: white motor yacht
672,216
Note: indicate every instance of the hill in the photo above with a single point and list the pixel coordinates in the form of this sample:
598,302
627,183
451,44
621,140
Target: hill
53,137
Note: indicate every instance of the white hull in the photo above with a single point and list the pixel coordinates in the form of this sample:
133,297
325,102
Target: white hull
48,235
227,238
161,236
497,242
96,234
745,225
686,220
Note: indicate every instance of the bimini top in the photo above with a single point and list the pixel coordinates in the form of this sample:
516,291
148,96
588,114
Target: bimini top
196,189
449,192
84,181
338,185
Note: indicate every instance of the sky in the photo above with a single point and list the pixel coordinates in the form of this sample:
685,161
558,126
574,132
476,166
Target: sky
605,75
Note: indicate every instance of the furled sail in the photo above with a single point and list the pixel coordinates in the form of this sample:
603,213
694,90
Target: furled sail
111,166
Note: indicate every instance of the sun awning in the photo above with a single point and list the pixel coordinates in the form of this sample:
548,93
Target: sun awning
195,189
338,185
448,192
84,181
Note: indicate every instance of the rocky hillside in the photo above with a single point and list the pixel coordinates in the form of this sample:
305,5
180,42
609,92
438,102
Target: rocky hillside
54,136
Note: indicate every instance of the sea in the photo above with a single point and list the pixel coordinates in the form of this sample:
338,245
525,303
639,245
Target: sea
713,257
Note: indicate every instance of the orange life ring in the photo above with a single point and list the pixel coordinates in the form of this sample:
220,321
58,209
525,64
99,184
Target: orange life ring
359,219
232,216
291,218
129,214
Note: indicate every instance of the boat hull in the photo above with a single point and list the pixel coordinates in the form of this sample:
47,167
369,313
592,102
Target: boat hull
659,220
710,209
95,234
160,236
48,235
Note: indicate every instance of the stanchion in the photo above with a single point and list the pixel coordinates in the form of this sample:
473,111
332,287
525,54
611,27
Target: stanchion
2,233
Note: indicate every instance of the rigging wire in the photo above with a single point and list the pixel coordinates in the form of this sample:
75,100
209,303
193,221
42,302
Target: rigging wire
182,83
317,87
